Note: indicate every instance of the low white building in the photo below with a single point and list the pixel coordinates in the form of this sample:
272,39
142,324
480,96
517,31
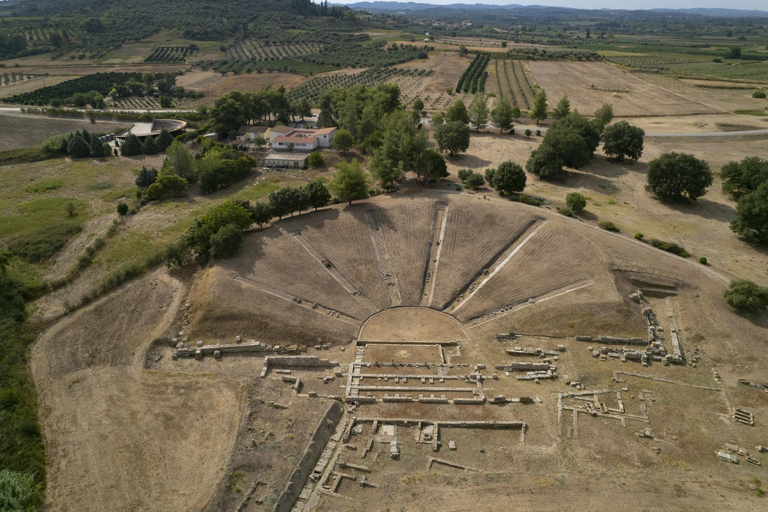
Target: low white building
286,160
301,139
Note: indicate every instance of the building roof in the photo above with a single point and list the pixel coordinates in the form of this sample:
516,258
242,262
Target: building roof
252,129
323,131
299,157
295,140
281,129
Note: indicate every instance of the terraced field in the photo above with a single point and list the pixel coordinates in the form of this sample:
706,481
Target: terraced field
257,51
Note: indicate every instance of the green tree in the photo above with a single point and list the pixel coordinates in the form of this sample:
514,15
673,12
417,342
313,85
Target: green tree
516,113
733,52
146,177
226,242
605,113
545,162
502,115
434,166
452,137
508,178
490,174
227,115
418,105
622,140
562,109
464,174
167,185
149,147
317,194
164,140
228,212
752,215
743,177
343,140
97,148
350,182
677,176
539,111
401,149
746,296
261,213
475,181
122,208
281,202
315,159
78,147
457,113
179,161
131,146
576,202
478,111
463,50
438,119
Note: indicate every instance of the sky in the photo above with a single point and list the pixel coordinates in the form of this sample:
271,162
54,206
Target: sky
611,4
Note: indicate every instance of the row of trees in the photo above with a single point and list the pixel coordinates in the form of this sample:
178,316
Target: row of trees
237,109
133,146
219,233
79,144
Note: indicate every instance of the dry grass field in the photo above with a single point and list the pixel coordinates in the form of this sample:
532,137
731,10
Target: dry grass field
22,131
590,84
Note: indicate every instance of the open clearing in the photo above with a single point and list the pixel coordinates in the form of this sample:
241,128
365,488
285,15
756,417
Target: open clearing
20,131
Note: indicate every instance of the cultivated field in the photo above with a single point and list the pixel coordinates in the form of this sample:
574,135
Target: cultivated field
590,84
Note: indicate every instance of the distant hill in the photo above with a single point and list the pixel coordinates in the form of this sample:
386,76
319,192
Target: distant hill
419,7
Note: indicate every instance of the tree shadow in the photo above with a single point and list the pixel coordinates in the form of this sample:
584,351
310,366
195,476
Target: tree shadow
469,161
705,208
589,181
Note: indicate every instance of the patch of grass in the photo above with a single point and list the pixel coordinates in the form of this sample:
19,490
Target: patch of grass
44,186
101,185
115,194
760,113
41,244
23,156
39,213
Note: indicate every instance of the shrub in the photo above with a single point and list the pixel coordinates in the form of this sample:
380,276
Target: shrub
528,132
464,174
670,247
525,199
315,159
565,211
122,208
576,202
639,236
475,181
758,94
608,226
703,260
538,133
746,296
167,185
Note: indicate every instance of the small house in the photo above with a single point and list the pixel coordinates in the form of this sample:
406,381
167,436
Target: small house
250,133
286,160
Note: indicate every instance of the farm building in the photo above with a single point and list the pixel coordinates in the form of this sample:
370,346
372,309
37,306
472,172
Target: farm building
278,131
249,133
301,139
288,160
142,130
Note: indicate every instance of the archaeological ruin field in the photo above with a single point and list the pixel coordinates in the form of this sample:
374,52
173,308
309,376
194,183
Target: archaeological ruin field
424,352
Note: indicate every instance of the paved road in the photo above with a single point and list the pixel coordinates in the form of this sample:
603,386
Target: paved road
12,110
709,134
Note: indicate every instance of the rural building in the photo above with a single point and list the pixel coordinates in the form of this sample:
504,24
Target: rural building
277,131
249,133
303,139
287,160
